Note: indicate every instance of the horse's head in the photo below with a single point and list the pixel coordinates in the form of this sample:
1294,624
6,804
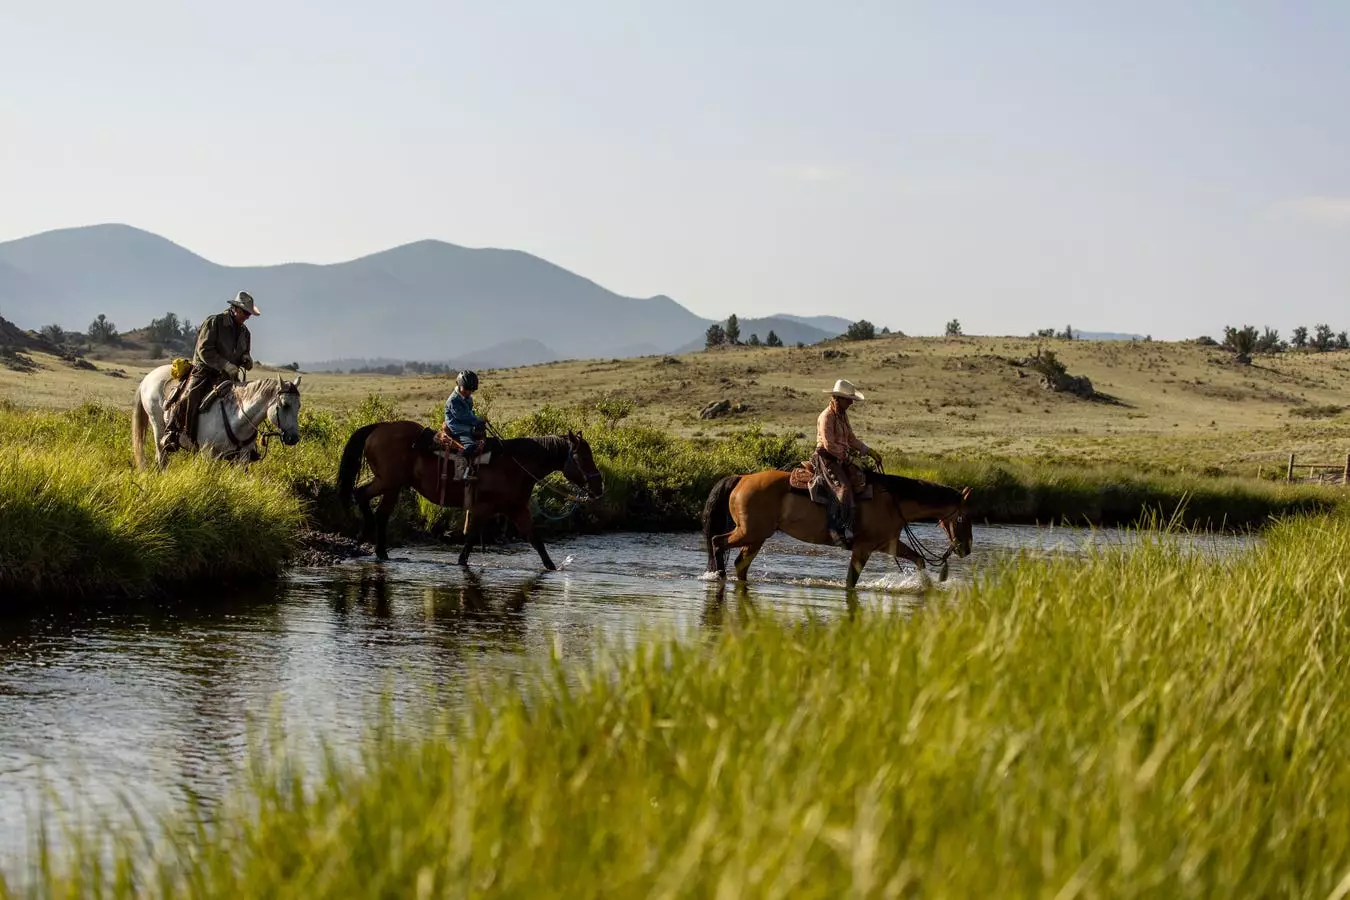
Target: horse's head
580,468
957,526
284,411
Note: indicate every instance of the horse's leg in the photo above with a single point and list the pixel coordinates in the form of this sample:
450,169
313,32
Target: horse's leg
387,501
721,561
525,525
909,553
363,495
855,565
745,558
722,544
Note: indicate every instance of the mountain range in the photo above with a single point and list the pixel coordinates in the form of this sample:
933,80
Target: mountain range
429,301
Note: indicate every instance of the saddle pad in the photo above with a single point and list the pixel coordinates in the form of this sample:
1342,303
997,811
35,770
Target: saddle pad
800,477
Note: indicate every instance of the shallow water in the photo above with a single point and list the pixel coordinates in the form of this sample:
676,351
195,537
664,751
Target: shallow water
146,707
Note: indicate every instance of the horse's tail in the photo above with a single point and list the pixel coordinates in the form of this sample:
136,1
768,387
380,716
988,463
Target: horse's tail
717,516
140,420
350,467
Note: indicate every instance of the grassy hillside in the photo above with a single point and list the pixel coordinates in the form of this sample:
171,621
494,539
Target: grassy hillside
1177,407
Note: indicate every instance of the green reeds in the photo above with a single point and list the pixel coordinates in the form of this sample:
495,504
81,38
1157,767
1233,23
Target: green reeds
76,520
1150,722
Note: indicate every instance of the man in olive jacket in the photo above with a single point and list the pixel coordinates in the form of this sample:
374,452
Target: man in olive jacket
223,350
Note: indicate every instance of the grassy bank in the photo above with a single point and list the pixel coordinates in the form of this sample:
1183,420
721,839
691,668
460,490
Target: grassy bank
1146,723
77,521
1014,491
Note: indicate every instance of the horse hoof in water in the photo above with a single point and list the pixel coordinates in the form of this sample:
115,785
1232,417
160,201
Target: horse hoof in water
942,572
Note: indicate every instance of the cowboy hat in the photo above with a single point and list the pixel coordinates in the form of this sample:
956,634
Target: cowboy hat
844,389
243,301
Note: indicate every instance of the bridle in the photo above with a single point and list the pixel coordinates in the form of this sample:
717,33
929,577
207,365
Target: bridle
574,498
272,417
927,555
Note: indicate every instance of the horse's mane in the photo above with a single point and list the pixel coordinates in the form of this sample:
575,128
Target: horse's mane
929,493
263,388
550,444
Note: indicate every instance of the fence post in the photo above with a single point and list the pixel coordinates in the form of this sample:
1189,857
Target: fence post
1289,475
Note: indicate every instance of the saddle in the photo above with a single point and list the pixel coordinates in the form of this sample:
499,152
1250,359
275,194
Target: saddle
804,479
177,383
446,447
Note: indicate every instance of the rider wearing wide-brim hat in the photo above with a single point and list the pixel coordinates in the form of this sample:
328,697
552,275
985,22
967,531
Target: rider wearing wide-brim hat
224,351
835,446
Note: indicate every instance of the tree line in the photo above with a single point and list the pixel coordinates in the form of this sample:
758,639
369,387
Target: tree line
168,331
1245,342
728,334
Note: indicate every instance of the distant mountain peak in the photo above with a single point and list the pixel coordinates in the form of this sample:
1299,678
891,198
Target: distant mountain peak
424,300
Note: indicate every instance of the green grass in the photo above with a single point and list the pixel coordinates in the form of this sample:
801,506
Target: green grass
74,522
1146,723
1014,491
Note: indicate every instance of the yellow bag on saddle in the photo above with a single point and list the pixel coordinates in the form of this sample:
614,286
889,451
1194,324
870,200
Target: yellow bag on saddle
181,368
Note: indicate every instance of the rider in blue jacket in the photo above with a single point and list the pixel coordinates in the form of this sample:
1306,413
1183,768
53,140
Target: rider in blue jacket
460,420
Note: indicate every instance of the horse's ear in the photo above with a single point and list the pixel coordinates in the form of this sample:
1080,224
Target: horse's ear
297,380
281,382
965,494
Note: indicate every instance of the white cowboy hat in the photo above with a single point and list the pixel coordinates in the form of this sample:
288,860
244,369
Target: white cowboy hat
244,301
844,389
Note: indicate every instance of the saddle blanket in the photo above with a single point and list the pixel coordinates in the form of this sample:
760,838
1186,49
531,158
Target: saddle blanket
804,478
805,473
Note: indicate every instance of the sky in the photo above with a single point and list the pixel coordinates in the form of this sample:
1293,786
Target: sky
1153,167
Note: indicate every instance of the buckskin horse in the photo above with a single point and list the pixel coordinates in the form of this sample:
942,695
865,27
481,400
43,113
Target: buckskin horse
746,510
403,454
230,427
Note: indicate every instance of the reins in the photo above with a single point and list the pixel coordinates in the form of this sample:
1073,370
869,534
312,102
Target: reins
260,436
574,498
928,556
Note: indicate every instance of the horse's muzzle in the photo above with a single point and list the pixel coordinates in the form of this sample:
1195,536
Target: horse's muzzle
290,440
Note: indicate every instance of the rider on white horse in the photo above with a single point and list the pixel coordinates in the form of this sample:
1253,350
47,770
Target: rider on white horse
223,352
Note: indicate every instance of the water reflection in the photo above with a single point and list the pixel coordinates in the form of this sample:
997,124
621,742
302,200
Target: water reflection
158,701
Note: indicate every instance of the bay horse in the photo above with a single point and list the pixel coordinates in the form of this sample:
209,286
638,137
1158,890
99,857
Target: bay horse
746,510
402,455
230,428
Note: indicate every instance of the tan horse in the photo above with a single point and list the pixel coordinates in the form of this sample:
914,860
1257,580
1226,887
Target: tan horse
763,503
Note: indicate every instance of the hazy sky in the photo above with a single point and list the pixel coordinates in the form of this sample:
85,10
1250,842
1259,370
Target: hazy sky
1162,167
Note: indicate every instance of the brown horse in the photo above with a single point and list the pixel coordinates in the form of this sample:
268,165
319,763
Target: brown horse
402,455
746,510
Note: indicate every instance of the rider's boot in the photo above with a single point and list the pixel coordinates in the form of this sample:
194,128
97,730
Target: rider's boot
168,442
838,532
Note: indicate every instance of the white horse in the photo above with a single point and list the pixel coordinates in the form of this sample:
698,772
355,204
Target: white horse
229,429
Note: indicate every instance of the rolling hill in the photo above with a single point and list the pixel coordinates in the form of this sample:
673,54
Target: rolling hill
427,300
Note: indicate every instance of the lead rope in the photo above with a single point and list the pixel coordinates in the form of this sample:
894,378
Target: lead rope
574,498
919,546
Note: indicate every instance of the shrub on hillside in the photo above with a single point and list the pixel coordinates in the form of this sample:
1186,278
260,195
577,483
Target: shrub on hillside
861,330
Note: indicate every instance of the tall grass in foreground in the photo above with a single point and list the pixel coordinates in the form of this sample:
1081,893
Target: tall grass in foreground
1145,723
